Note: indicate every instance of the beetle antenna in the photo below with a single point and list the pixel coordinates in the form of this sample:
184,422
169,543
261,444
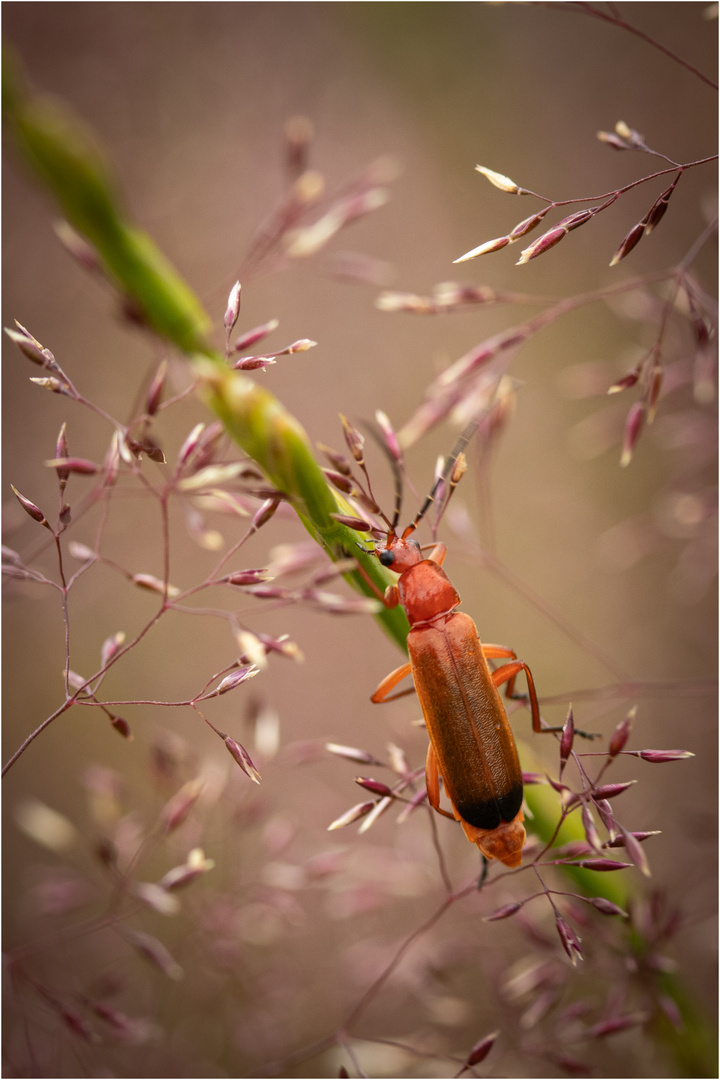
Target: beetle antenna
447,472
397,477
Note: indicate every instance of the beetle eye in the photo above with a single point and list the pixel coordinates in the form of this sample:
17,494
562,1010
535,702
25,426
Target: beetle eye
387,558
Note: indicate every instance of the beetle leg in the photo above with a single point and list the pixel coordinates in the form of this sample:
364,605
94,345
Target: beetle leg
432,783
390,598
438,553
498,652
507,674
432,780
389,682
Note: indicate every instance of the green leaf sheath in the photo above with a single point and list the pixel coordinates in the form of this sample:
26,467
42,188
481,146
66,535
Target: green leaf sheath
64,155
271,436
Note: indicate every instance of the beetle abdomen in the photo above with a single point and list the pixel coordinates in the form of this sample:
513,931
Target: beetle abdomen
466,721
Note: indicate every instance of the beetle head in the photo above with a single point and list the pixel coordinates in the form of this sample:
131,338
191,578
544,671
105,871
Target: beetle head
398,553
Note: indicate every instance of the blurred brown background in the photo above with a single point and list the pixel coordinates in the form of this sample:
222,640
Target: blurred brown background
190,101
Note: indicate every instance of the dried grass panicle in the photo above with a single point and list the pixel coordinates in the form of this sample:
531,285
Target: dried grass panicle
78,247
194,867
376,786
484,249
351,816
352,522
606,907
590,830
177,809
153,950
481,1049
235,679
111,647
155,584
247,577
624,138
527,225
553,236
615,1024
629,242
627,381
570,940
634,423
232,311
190,444
62,450
661,756
336,604
338,461
156,389
57,386
404,301
607,817
253,363
380,807
257,333
475,378
610,791
351,753
566,740
498,180
504,912
355,440
341,481
81,466
30,347
619,841
603,865
121,726
29,507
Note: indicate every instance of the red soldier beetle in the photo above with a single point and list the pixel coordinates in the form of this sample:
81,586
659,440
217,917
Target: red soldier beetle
471,743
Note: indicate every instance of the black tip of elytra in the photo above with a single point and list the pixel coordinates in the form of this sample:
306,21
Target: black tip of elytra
489,813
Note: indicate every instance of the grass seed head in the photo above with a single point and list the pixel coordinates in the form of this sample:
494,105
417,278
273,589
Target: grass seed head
570,940
629,242
633,426
251,337
179,806
122,727
484,249
155,952
30,508
155,390
30,347
621,734
238,752
232,310
351,815
498,180
481,1049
